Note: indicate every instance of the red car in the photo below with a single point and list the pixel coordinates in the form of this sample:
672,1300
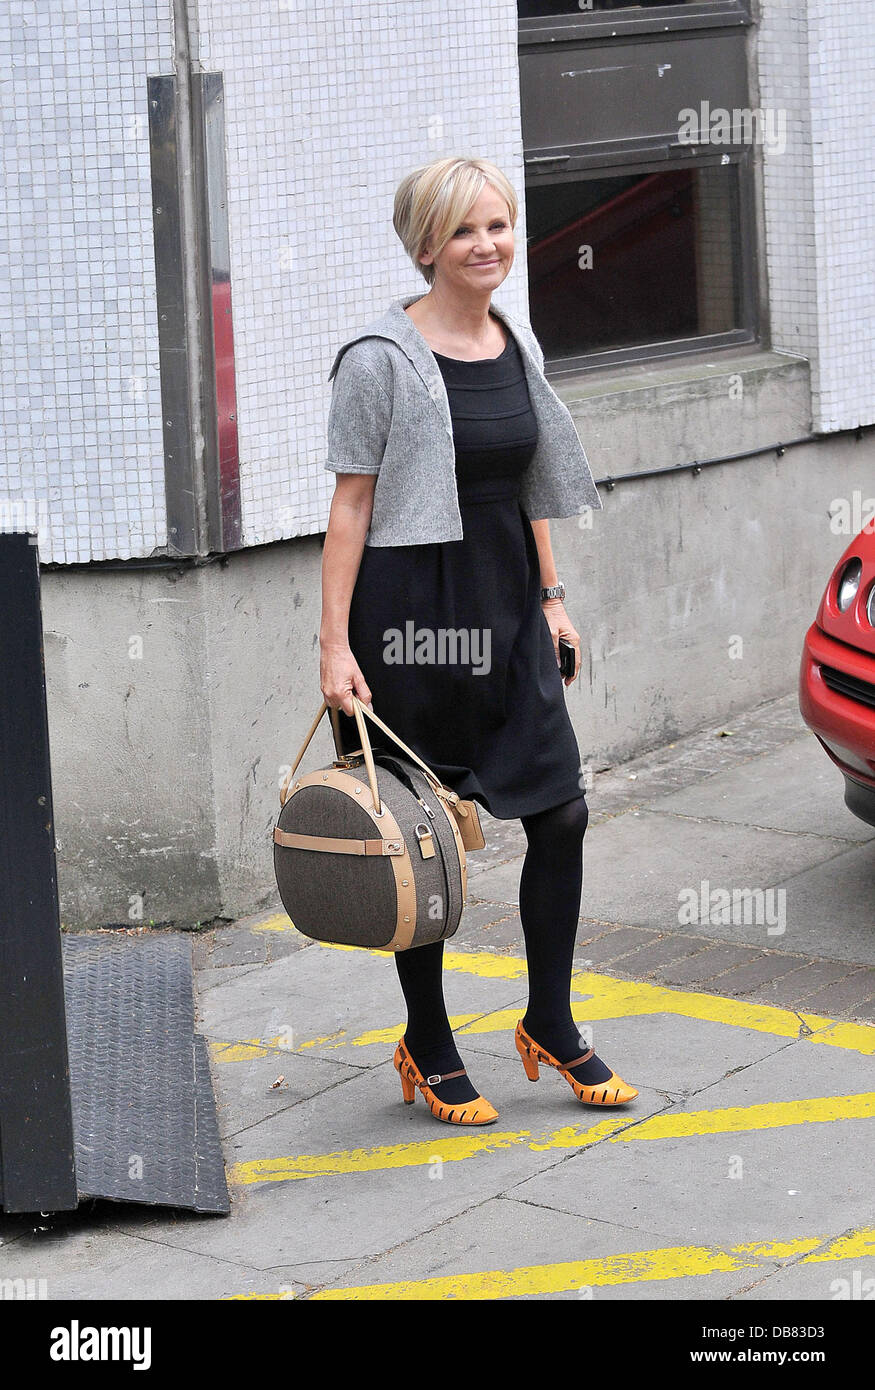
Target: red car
837,679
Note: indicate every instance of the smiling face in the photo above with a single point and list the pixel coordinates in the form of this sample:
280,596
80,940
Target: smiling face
480,251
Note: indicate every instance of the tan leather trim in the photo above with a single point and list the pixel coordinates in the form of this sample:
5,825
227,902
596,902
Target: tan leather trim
335,845
470,827
387,826
460,845
405,884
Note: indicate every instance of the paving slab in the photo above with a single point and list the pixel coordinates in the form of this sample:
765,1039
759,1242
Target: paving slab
794,788
504,936
88,1257
362,1213
637,866
753,1184
534,1247
831,907
323,1000
250,1089
212,977
849,1280
801,983
662,1052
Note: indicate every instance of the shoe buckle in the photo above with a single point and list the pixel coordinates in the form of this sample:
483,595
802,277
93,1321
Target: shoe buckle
432,1080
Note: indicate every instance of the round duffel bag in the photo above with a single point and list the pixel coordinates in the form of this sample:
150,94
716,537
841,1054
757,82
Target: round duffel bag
370,850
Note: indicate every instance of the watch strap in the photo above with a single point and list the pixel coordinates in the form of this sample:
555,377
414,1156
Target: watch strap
554,591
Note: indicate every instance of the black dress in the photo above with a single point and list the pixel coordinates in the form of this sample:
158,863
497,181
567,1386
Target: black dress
451,636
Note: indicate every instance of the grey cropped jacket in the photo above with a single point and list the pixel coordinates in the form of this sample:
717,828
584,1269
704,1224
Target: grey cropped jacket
390,415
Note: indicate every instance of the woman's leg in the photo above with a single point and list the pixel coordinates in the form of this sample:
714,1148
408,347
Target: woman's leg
550,888
428,1034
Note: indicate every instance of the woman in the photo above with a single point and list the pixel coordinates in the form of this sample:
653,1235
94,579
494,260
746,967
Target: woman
450,450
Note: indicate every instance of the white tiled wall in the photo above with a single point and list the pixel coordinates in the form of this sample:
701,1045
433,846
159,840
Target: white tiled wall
81,459
817,61
327,106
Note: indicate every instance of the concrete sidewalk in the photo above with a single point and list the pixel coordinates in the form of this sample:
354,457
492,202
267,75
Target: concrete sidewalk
725,966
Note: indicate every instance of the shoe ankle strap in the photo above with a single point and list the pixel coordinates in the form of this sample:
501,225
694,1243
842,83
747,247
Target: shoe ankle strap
579,1060
436,1080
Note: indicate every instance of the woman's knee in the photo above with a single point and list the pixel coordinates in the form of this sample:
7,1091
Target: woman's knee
566,823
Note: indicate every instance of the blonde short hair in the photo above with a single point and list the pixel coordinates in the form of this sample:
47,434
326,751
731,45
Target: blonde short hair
431,201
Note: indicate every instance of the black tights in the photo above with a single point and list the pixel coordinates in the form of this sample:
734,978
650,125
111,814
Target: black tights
550,889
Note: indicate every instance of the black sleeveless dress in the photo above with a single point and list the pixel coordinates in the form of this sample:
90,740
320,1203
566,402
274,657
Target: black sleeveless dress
451,636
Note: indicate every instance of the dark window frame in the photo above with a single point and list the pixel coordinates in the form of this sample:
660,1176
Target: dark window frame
591,24
644,154
749,330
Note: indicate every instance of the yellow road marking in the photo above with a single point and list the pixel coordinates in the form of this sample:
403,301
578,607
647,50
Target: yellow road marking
605,998
766,1115
631,1267
624,1128
608,1004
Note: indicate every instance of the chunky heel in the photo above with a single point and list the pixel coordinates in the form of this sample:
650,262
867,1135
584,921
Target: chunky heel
529,1062
613,1091
470,1112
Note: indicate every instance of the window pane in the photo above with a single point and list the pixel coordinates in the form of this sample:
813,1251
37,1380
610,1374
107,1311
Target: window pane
532,9
642,258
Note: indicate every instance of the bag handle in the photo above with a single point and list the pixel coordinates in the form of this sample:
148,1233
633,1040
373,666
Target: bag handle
432,776
335,726
359,710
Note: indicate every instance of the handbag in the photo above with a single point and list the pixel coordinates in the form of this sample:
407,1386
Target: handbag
372,860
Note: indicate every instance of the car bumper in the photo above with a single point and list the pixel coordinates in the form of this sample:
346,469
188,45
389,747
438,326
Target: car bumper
836,683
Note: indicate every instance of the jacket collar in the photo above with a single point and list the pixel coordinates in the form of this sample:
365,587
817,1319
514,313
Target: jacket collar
400,328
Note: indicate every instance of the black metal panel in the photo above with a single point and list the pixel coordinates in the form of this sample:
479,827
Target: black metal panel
37,1170
611,96
142,1100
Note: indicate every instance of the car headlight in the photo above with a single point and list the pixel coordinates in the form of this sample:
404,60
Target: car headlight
848,584
870,606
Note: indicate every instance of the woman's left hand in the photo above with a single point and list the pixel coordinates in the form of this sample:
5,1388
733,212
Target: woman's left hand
560,625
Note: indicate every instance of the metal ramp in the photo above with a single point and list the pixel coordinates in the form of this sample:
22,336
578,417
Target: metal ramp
105,1087
144,1119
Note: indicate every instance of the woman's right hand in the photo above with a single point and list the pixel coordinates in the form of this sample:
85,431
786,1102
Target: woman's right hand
340,676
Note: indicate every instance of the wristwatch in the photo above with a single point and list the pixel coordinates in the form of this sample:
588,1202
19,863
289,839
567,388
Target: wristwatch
556,591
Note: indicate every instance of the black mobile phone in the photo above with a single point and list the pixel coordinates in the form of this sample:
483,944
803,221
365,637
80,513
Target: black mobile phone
566,658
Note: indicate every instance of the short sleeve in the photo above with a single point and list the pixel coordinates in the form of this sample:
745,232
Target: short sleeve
358,419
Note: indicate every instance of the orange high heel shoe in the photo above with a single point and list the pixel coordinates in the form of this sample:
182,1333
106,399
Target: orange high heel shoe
470,1112
614,1091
